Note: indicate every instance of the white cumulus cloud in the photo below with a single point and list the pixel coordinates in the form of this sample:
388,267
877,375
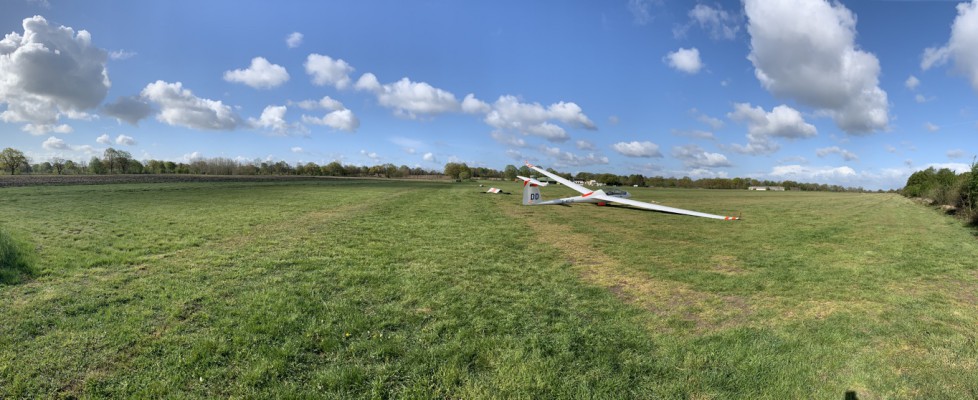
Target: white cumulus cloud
48,72
782,121
962,47
58,146
548,131
327,71
273,118
293,40
104,139
695,157
912,82
472,105
644,149
368,82
805,50
41,129
53,143
342,120
508,113
261,74
685,60
338,116
124,140
408,98
179,107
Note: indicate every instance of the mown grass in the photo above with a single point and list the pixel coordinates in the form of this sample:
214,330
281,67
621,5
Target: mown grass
16,258
389,289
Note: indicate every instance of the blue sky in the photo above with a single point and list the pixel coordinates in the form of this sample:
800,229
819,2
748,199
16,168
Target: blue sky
856,93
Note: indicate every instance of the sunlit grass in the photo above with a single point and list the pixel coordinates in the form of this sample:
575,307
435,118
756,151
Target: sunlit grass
391,289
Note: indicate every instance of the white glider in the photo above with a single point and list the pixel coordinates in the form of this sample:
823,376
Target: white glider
531,197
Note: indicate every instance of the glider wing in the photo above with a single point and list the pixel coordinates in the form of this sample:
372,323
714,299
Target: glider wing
656,207
583,190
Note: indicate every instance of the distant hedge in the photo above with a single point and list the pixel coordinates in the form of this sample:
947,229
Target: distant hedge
16,259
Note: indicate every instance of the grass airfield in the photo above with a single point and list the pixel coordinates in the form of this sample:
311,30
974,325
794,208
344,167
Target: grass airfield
381,289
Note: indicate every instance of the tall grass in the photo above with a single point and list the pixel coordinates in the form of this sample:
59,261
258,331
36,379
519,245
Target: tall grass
16,258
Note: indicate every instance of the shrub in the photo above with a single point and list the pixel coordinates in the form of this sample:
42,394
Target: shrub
970,188
942,195
16,259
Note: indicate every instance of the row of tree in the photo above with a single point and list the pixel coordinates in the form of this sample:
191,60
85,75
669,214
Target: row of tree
944,187
462,171
115,161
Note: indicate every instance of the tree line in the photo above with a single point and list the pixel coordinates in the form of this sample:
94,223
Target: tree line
461,171
957,192
115,161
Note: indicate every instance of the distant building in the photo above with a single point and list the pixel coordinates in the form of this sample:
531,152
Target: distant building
772,188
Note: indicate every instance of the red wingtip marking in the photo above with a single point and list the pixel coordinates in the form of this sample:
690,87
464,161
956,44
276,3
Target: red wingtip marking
587,194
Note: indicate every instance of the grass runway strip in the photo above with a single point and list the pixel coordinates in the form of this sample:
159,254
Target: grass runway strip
363,289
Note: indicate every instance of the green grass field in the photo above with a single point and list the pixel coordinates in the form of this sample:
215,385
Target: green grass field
376,289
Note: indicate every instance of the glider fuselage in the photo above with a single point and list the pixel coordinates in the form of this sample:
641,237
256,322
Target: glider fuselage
586,198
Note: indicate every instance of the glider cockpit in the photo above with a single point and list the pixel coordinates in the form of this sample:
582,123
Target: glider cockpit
618,193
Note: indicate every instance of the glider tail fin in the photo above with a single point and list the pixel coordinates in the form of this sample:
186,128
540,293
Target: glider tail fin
531,190
531,194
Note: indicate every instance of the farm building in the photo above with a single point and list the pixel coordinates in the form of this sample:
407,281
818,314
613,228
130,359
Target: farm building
772,188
